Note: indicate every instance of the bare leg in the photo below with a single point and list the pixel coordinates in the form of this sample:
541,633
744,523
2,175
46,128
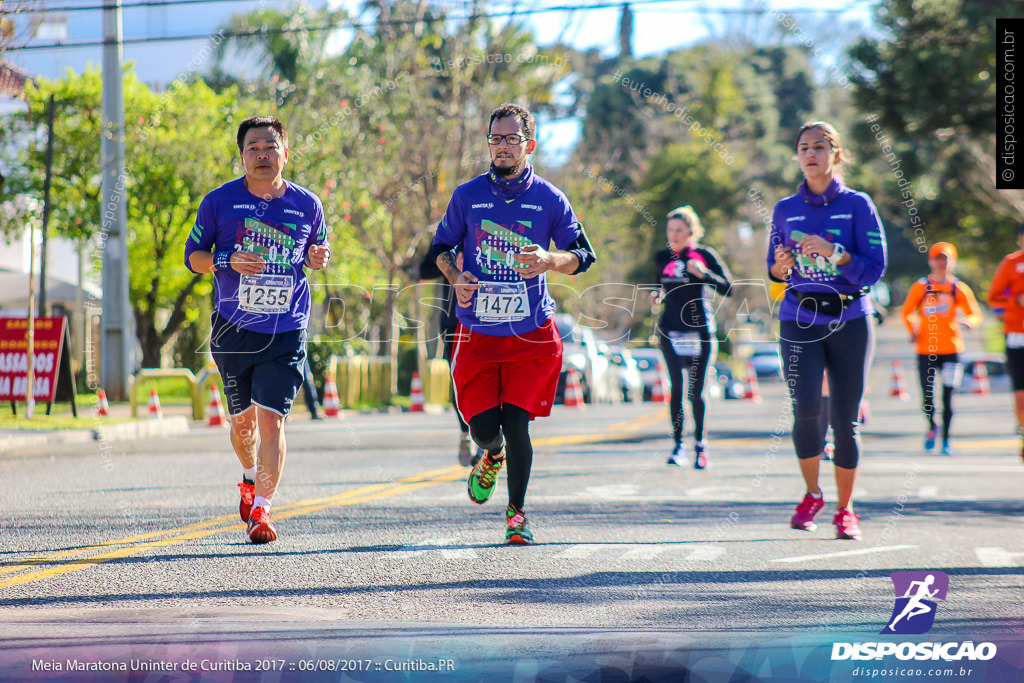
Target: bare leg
271,452
809,470
244,437
845,481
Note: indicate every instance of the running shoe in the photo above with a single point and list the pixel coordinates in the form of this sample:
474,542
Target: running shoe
465,450
946,448
483,478
248,490
829,451
803,518
261,529
700,456
678,456
929,439
517,529
846,525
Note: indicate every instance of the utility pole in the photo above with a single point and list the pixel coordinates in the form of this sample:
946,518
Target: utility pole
46,205
118,337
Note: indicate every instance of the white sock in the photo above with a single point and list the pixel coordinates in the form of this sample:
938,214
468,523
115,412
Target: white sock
261,502
813,495
250,473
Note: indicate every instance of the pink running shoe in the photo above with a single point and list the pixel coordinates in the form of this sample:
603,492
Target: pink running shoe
803,518
846,525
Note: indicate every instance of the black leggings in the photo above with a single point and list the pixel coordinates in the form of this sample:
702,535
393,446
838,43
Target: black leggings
696,368
845,351
513,422
929,370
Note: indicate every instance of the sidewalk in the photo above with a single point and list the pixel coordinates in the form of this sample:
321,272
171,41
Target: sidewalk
176,420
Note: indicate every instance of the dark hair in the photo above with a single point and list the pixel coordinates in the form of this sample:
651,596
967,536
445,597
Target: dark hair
507,110
830,134
261,122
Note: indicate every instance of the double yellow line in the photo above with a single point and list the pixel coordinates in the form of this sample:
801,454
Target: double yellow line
66,561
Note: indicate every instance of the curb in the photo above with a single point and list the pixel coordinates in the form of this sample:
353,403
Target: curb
168,426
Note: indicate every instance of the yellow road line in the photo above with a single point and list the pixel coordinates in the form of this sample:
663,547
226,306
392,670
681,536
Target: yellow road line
202,529
356,493
68,567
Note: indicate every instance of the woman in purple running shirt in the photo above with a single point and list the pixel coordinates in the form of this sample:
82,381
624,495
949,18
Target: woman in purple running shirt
828,245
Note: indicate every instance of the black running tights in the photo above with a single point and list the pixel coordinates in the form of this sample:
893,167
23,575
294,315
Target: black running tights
513,422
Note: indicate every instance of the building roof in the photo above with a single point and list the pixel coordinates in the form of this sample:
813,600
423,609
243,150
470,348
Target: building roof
12,79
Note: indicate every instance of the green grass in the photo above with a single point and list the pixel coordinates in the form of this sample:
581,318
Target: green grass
992,335
173,391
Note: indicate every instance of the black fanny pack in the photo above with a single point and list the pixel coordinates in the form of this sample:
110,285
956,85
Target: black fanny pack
827,303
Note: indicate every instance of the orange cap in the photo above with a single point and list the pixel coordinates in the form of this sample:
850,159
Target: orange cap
942,249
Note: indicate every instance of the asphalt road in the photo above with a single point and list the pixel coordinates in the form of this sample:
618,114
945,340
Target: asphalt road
137,552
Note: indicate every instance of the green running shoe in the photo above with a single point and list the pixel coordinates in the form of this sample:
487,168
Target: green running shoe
483,478
517,529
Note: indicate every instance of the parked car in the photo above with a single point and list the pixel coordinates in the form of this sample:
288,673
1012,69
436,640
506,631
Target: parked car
629,383
579,349
650,364
767,360
995,365
732,388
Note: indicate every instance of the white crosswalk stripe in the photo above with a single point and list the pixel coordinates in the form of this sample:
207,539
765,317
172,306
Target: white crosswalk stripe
998,557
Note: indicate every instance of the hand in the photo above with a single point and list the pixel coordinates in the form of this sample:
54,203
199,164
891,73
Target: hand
913,337
465,286
696,268
533,260
318,256
816,244
1020,299
656,296
247,263
784,260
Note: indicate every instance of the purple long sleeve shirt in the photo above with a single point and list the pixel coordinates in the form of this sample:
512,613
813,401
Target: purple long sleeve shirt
493,227
843,216
281,231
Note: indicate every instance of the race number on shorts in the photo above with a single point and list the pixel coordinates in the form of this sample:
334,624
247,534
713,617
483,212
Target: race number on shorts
265,293
685,343
501,302
1015,340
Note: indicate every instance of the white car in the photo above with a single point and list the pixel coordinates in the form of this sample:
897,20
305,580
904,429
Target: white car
580,350
629,385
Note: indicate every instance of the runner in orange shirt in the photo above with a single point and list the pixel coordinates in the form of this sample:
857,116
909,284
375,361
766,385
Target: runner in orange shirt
930,314
1007,292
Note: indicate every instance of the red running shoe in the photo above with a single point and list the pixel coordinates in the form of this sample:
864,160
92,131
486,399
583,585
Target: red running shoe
846,525
261,529
248,490
803,519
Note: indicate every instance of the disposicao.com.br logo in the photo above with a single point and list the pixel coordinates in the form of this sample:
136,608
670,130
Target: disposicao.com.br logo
914,614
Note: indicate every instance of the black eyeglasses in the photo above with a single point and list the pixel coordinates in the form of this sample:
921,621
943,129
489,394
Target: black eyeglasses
512,139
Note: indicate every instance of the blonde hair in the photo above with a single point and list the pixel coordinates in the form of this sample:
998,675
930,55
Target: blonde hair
688,216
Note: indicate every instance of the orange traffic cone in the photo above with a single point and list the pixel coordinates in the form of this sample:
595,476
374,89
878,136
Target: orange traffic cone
662,391
102,408
416,394
217,418
899,389
331,402
753,392
573,392
981,386
155,411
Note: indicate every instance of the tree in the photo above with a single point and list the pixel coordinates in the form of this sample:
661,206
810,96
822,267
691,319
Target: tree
928,84
179,145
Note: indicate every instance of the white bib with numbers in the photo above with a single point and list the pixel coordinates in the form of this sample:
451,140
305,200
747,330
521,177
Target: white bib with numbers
1014,340
501,302
265,293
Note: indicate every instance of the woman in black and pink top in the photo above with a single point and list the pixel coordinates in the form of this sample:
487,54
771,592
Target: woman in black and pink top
686,329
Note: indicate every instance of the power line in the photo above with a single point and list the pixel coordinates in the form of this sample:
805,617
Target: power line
92,8
392,22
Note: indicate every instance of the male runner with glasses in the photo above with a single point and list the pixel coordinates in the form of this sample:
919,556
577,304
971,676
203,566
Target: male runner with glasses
256,234
508,353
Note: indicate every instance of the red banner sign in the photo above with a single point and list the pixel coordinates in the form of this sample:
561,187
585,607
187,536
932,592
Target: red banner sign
48,346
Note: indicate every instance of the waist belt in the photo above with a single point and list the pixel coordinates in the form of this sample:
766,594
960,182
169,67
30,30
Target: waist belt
827,303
